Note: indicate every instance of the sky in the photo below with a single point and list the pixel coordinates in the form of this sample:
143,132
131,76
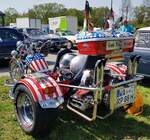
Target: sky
24,5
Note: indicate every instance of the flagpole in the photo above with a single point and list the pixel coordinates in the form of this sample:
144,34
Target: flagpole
111,4
111,9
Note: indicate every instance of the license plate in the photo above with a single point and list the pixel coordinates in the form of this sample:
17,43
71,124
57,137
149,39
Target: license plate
52,103
125,95
113,45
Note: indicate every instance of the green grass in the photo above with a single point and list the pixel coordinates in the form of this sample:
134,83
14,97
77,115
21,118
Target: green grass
71,127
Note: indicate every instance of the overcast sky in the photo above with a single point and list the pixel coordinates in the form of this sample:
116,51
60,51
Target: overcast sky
24,5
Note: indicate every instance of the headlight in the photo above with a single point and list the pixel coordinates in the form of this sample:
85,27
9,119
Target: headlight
14,53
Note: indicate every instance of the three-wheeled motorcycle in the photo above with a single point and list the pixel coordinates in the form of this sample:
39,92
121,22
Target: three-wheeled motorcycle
92,82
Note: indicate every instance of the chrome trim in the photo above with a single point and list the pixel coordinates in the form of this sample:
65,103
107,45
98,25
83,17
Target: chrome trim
137,78
103,39
51,103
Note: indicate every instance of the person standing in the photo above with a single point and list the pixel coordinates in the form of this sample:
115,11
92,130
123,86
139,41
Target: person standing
126,27
109,22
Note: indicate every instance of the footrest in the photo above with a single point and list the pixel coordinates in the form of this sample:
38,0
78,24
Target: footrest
9,83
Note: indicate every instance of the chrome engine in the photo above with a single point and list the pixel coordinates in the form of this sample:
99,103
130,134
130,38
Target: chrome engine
83,99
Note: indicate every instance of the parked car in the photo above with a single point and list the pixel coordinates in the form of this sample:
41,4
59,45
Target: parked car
8,40
70,36
142,48
38,35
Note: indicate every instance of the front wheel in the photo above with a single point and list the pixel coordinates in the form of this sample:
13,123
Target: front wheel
16,70
32,118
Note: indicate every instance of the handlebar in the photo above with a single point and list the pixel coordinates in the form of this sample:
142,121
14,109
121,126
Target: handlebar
30,47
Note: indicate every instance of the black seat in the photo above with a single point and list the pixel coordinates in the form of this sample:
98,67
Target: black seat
59,56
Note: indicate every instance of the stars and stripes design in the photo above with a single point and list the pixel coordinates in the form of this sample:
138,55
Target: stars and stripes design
37,62
52,85
37,87
119,70
88,25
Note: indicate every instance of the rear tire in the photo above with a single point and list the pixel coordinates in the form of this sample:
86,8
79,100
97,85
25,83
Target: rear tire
32,118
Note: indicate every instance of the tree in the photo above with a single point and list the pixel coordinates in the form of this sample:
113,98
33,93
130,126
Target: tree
45,11
11,15
142,16
98,15
139,14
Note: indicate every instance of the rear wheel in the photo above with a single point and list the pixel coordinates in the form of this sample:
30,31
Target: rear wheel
32,118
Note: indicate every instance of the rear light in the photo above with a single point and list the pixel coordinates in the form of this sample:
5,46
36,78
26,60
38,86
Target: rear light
49,90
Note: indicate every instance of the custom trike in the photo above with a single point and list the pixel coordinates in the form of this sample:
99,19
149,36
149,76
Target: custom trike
92,83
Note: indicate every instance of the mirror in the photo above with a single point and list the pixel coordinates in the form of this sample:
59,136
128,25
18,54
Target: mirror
25,36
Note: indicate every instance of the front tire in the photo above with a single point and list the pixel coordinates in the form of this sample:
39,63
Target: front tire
16,70
32,118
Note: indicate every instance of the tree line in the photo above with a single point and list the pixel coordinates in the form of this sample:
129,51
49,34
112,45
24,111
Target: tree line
48,10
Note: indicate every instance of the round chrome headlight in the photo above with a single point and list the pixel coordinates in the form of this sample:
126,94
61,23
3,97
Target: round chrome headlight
14,53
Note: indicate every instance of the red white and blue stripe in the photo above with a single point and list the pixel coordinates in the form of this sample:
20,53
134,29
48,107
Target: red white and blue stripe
37,62
119,70
36,88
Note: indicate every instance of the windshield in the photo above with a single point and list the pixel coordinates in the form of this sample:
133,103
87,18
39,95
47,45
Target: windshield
35,32
142,39
144,36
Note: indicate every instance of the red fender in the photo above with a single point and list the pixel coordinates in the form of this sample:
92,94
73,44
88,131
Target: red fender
37,86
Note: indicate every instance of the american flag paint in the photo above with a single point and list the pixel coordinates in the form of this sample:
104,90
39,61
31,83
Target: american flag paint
120,70
36,87
46,84
37,62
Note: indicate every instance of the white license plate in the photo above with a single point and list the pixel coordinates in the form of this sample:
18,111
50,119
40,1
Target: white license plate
113,45
125,95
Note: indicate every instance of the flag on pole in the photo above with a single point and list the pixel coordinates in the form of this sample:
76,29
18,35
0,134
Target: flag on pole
88,25
112,13
111,10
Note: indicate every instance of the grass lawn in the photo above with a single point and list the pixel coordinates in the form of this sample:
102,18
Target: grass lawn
70,127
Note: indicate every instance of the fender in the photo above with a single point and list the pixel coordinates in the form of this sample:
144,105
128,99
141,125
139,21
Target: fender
120,70
38,83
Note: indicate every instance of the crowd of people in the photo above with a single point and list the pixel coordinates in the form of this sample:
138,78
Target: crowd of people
121,24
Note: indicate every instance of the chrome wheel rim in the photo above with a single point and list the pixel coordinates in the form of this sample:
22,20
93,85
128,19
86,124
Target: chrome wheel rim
25,110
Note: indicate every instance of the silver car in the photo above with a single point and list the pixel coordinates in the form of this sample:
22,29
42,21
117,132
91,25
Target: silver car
142,48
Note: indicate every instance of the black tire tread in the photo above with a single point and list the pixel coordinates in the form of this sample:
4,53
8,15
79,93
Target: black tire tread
44,118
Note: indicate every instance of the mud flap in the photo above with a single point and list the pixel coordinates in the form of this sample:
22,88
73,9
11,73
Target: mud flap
137,107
